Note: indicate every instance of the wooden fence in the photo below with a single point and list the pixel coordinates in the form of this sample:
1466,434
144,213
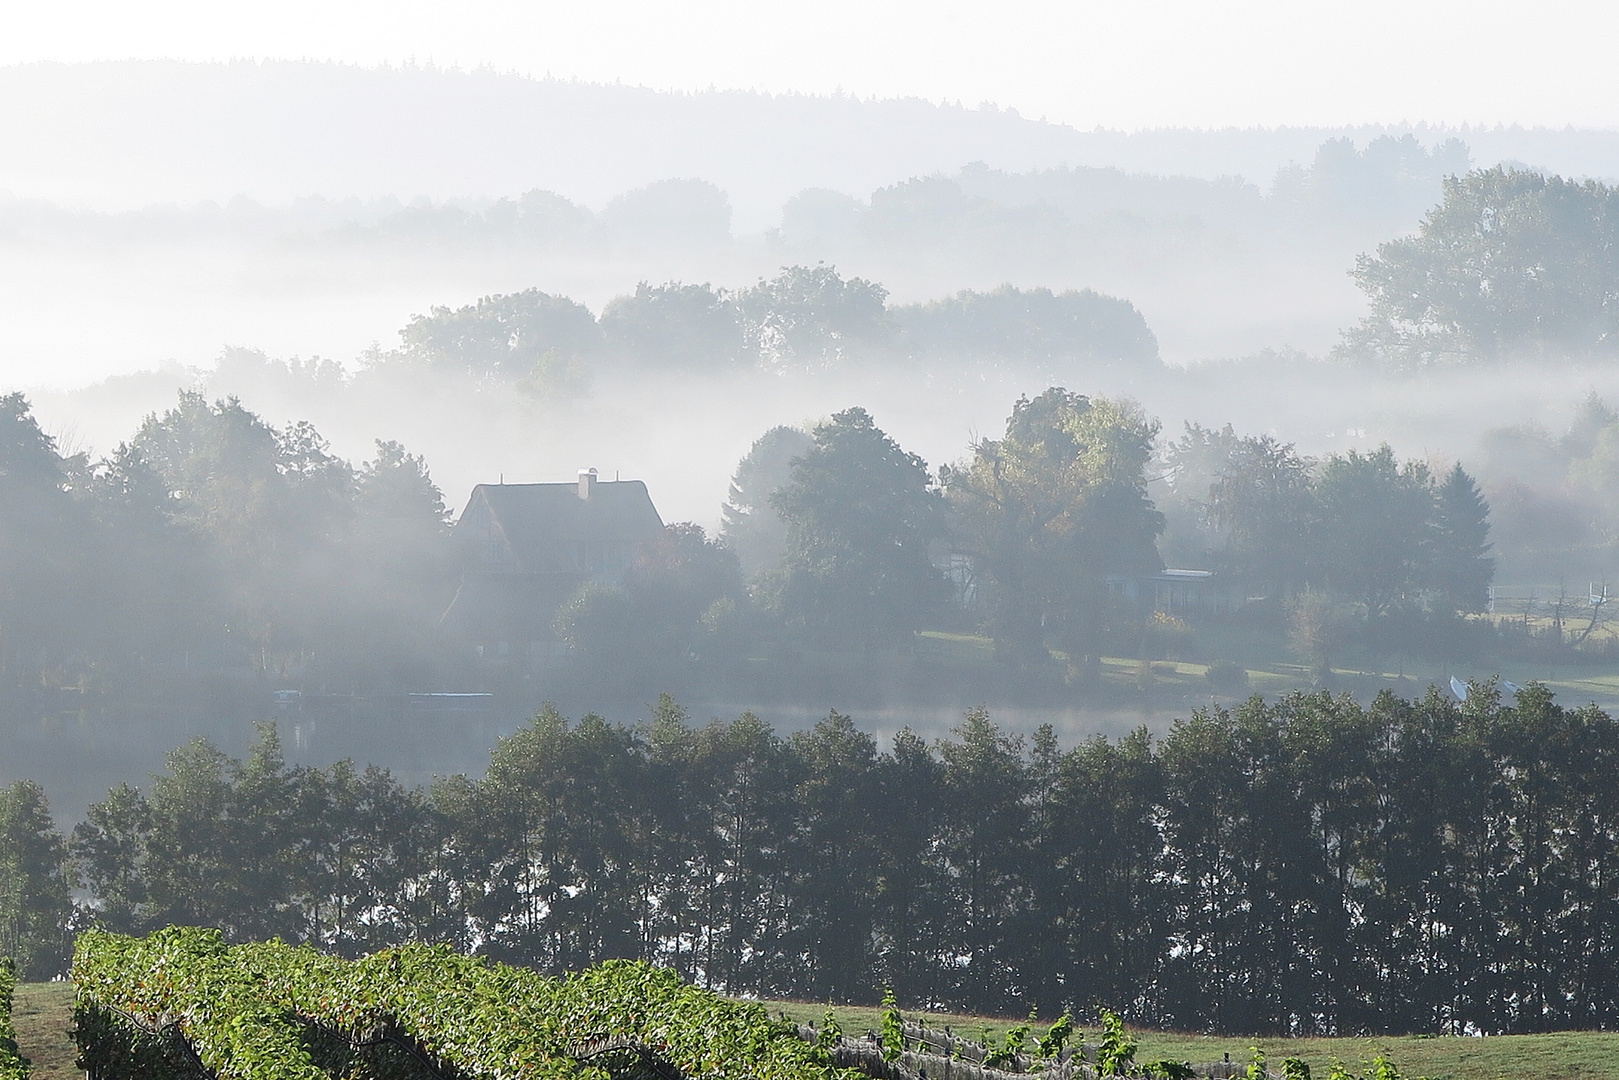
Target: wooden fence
939,1055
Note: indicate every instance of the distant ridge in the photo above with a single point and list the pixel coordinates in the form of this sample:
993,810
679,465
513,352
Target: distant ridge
117,135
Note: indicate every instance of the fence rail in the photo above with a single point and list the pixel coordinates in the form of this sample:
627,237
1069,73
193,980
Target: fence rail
939,1055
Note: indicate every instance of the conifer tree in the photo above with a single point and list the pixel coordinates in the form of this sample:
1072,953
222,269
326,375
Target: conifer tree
1462,564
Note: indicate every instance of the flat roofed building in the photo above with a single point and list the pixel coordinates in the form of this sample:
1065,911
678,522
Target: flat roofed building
1180,592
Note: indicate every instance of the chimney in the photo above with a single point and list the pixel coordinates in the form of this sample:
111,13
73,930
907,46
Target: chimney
587,482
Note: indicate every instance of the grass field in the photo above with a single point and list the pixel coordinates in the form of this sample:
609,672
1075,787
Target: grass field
1561,1056
44,1012
1272,670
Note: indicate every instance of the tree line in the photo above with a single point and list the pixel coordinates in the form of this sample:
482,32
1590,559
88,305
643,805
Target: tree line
849,537
803,318
214,542
1388,181
1510,263
1352,537
210,541
1307,865
978,209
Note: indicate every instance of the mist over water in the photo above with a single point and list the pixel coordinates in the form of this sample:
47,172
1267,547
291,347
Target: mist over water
684,434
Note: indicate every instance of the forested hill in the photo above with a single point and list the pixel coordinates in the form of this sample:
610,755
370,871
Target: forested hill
118,135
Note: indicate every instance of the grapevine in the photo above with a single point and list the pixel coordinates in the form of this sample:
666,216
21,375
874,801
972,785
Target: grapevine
13,1066
1050,1046
893,1034
250,1012
1116,1052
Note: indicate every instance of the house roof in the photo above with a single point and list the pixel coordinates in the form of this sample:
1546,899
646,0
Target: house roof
551,529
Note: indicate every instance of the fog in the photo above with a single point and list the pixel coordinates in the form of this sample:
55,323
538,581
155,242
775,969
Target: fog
684,433
265,232
157,212
119,136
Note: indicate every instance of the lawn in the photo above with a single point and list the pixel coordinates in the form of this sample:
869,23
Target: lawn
1272,669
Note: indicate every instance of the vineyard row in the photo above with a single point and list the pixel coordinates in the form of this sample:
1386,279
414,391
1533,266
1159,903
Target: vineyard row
157,1008
13,1066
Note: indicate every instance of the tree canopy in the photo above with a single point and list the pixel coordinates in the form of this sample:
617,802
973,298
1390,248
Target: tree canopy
860,515
531,338
1036,325
1050,510
694,327
1278,868
1376,532
35,884
811,315
212,539
752,527
1512,264
1375,519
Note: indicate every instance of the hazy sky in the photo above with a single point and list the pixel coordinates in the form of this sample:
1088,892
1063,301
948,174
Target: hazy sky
1124,64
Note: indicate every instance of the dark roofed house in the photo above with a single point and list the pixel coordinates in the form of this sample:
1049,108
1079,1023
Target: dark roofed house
525,548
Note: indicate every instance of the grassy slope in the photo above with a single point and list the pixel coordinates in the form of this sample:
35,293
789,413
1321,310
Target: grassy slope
43,1014
45,1011
1564,1056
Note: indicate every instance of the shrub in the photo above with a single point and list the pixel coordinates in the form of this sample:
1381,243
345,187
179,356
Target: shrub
1226,677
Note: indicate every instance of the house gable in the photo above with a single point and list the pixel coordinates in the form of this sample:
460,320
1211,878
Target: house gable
526,547
554,529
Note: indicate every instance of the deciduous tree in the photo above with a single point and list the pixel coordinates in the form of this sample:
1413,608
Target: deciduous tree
860,515
1048,511
752,527
1511,263
35,898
